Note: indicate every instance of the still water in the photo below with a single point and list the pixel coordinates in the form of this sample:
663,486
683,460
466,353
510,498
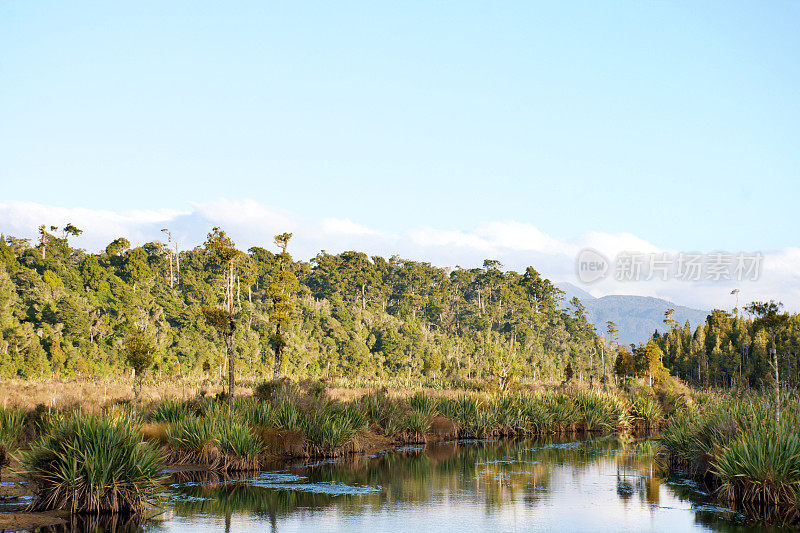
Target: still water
602,484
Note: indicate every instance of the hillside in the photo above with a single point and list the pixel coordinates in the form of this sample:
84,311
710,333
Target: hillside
637,317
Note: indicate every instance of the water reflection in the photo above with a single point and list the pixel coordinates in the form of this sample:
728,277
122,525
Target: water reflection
602,484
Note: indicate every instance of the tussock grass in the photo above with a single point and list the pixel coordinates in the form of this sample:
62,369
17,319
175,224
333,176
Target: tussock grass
170,411
329,428
12,422
89,464
736,444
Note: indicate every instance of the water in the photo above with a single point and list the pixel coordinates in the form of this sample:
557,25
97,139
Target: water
603,484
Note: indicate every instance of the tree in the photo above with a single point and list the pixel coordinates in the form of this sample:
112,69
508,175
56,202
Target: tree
625,364
568,373
223,254
280,290
770,319
118,246
69,229
653,357
139,354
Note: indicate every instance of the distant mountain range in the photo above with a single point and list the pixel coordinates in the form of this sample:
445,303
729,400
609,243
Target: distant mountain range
636,317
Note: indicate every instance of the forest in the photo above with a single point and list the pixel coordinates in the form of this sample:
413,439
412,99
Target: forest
66,312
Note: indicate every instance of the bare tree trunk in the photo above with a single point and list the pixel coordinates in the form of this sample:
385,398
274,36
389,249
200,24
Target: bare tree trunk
231,345
276,370
777,383
171,274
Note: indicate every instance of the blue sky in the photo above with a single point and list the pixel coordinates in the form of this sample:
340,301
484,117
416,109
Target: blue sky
677,122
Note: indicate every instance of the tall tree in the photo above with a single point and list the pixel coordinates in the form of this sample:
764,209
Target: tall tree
771,320
280,290
222,254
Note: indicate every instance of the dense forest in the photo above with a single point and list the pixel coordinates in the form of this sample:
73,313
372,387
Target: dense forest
67,312
736,348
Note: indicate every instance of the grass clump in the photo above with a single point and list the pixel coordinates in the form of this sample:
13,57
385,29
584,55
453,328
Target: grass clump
329,429
417,423
170,411
736,444
88,464
647,409
12,422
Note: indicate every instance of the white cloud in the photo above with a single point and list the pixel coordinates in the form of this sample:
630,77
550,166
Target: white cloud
516,244
345,226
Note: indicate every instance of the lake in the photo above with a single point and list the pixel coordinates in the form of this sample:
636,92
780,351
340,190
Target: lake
601,484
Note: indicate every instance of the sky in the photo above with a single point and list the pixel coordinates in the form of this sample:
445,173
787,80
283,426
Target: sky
446,132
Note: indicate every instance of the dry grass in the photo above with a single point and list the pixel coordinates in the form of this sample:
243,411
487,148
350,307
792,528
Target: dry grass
155,432
96,393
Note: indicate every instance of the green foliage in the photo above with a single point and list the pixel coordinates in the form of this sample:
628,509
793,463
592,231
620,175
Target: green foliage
417,423
192,434
287,416
329,428
170,411
68,312
646,408
423,403
12,422
236,438
139,352
87,464
255,412
735,440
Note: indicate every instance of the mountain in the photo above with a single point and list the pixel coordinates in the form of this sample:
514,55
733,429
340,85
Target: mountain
637,317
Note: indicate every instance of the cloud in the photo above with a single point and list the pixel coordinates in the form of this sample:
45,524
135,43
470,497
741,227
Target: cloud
516,244
345,226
